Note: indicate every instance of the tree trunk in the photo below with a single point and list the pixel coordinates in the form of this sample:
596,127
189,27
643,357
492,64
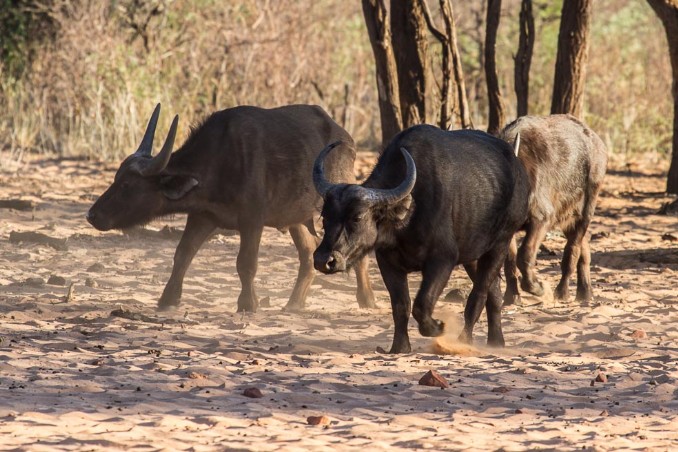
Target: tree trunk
408,26
387,76
667,10
496,116
523,58
568,84
462,98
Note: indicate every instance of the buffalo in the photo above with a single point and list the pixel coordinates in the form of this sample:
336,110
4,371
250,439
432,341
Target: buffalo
242,169
565,162
435,199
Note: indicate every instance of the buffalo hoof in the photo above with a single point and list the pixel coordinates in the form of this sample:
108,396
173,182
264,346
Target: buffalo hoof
247,304
512,299
431,328
496,340
366,301
168,302
400,348
562,292
167,307
295,306
465,337
535,288
584,295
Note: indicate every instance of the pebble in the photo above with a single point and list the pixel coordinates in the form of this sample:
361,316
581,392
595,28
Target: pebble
433,378
318,420
55,280
253,393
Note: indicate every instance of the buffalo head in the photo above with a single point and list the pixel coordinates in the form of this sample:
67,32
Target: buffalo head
355,217
142,187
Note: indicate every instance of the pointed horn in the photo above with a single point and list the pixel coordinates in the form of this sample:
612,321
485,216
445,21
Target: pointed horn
160,161
146,146
322,185
516,143
397,194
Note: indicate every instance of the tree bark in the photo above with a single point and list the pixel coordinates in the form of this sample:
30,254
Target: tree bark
447,99
462,97
387,75
408,26
523,58
568,84
667,10
496,116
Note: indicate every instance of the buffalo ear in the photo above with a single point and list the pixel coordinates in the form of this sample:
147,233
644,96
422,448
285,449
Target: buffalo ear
176,187
401,209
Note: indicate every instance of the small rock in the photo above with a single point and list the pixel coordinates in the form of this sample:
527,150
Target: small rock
604,413
381,350
669,237
55,280
433,378
253,393
265,302
197,376
34,282
96,267
601,378
318,420
639,334
519,411
501,389
90,282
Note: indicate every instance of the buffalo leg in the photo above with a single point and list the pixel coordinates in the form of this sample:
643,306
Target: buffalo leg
395,280
495,337
435,274
487,276
364,294
512,295
197,229
584,291
527,257
246,264
306,244
571,255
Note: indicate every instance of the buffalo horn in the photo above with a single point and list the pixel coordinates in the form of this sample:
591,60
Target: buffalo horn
322,185
159,162
146,146
516,144
394,195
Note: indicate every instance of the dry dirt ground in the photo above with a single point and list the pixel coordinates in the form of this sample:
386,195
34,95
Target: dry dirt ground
87,363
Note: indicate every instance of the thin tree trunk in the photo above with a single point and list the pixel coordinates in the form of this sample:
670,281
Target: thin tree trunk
462,98
496,116
408,26
568,84
447,99
667,10
387,76
523,58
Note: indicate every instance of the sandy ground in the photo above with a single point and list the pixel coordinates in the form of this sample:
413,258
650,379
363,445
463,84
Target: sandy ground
101,369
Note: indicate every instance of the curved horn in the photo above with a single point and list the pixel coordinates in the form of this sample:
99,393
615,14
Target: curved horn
160,161
146,146
394,195
322,185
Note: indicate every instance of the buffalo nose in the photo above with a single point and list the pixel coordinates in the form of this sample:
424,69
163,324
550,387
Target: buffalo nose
325,264
331,263
90,217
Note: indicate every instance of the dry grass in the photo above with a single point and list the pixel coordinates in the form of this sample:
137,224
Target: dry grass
89,90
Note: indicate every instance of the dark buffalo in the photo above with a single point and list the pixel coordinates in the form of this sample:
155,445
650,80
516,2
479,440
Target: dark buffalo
242,169
434,200
565,161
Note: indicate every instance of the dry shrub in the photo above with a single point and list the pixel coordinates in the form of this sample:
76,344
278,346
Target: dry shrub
89,90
